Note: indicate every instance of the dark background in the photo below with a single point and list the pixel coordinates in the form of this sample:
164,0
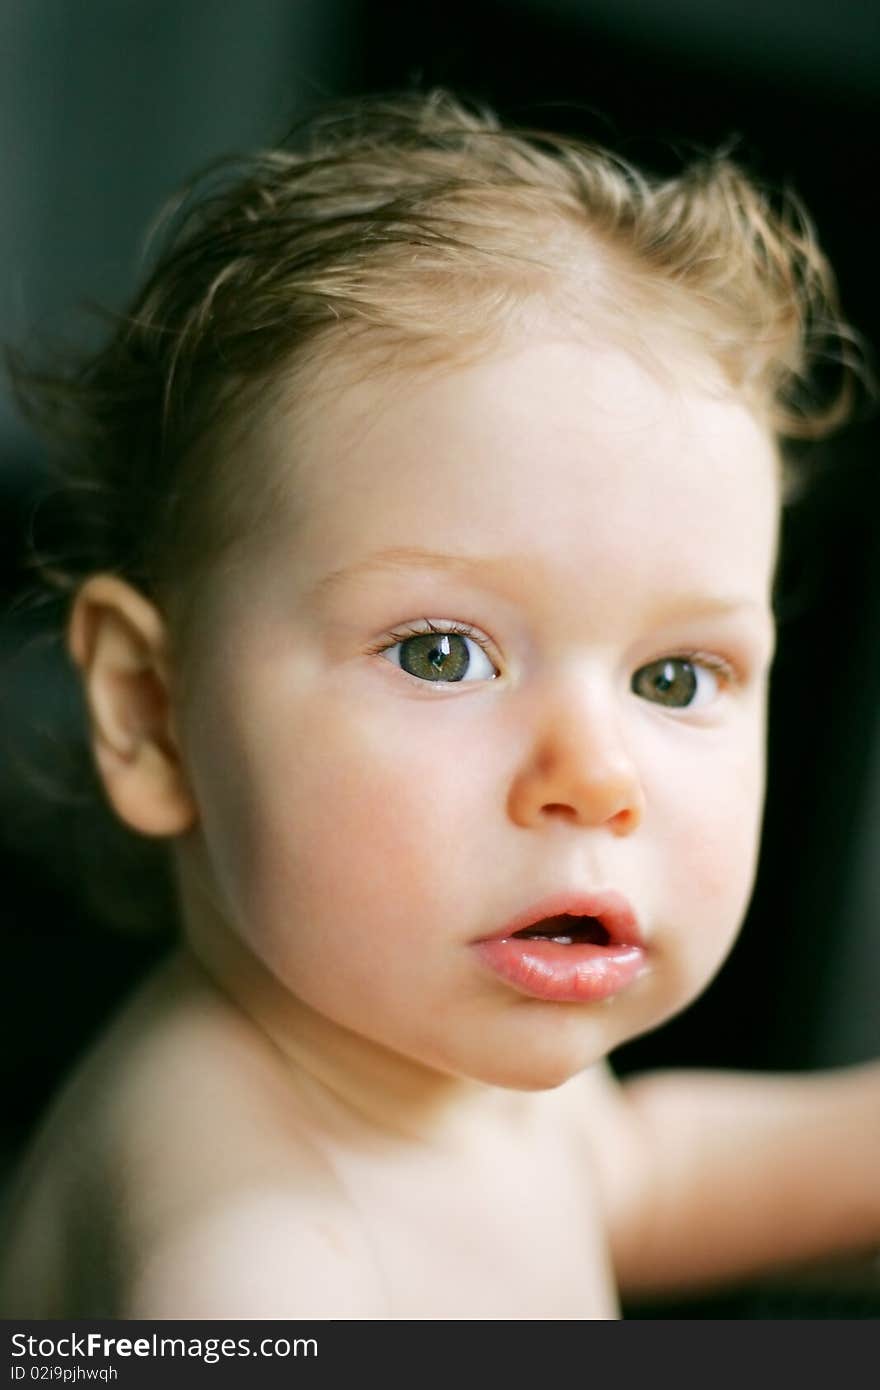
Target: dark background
105,106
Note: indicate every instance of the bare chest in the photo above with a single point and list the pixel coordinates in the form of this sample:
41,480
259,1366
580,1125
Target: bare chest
493,1242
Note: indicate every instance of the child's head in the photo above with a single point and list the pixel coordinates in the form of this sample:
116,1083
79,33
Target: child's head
568,382
413,232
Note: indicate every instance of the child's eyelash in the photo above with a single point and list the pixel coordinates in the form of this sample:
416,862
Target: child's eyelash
711,661
708,660
414,630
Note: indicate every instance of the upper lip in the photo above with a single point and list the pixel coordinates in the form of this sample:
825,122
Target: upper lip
608,907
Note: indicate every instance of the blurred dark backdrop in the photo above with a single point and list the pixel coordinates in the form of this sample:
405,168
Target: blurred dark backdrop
106,105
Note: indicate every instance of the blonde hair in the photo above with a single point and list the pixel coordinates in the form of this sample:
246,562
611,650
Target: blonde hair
415,222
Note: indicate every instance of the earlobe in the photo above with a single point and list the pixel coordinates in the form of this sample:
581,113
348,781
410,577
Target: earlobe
117,639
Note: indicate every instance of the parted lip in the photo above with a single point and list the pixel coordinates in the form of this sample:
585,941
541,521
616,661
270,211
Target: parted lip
608,907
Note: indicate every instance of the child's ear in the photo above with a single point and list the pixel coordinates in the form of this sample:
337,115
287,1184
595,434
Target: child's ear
118,640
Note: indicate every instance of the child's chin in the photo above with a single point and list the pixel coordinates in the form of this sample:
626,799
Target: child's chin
537,1072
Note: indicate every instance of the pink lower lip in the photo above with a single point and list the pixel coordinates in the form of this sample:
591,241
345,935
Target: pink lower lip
582,973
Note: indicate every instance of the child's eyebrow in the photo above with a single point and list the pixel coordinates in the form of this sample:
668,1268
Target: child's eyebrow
403,557
675,608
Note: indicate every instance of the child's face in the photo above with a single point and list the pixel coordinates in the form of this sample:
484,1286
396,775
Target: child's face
366,824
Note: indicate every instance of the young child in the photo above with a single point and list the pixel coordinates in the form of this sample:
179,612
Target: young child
423,603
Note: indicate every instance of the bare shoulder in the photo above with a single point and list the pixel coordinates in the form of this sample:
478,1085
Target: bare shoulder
261,1254
239,1213
174,1178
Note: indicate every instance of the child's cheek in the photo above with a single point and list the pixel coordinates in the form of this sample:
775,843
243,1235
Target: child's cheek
711,855
395,781
363,815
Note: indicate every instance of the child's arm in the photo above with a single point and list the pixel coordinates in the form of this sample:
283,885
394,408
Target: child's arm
720,1175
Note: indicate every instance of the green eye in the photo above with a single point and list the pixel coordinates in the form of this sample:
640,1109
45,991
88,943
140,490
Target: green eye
450,657
676,682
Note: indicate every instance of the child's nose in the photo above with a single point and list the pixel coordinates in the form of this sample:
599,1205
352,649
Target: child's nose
578,768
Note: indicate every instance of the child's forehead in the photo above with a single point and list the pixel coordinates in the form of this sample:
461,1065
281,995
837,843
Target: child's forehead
513,450
349,374
516,392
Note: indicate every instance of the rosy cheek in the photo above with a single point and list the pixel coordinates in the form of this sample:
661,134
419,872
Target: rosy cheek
357,796
402,793
720,870
708,838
